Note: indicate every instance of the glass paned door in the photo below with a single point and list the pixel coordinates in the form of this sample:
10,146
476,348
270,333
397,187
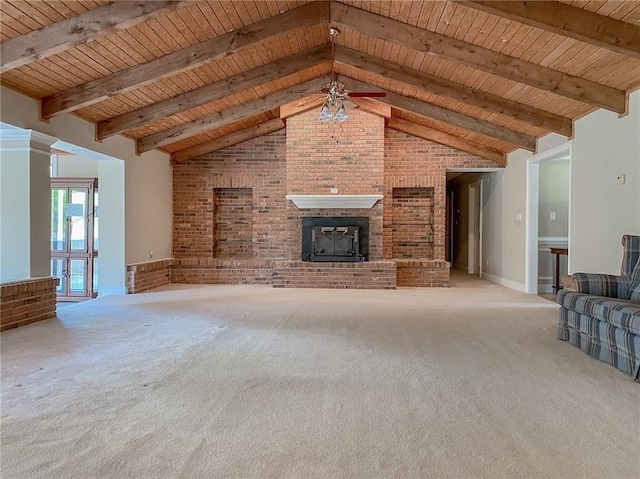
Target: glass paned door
73,254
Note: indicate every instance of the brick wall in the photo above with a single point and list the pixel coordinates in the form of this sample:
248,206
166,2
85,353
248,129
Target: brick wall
25,302
257,164
143,277
359,156
233,223
411,162
348,156
412,226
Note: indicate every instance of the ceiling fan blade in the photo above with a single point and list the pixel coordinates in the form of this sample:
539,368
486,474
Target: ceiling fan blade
369,94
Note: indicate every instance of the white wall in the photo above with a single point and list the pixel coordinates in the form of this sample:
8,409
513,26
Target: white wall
40,212
25,205
554,198
148,178
75,166
604,146
149,208
603,211
503,216
112,267
14,223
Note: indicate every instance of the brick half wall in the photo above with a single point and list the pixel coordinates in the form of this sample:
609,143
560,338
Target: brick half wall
143,277
26,302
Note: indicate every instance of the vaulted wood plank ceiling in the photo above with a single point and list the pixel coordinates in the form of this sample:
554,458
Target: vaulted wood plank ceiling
190,77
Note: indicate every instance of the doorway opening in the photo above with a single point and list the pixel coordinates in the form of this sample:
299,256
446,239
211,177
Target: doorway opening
75,169
547,227
463,233
74,237
474,265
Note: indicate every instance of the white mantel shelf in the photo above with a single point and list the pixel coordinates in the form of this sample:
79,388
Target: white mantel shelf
334,201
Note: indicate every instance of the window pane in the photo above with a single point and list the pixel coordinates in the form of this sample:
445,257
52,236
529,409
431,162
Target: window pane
77,211
58,219
57,271
95,275
77,278
96,230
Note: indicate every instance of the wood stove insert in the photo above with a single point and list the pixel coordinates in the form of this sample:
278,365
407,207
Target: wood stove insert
335,239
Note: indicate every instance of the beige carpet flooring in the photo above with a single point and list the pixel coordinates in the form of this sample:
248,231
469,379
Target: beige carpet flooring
255,382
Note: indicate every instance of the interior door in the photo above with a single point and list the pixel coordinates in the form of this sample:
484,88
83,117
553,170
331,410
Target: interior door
73,251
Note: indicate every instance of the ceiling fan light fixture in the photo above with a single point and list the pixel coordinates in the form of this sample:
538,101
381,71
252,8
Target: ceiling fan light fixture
325,113
341,115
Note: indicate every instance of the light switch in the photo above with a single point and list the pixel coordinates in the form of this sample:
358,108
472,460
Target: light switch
518,216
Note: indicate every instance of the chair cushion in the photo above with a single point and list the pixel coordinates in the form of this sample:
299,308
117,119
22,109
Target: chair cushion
631,254
620,312
634,291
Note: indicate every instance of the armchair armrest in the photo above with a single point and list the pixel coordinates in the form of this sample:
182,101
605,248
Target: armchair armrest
600,284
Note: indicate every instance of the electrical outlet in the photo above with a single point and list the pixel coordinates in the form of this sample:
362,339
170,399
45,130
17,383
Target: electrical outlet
149,254
518,216
621,179
552,216
334,191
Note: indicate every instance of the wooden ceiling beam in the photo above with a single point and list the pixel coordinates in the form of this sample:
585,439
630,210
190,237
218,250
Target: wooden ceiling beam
457,91
569,21
372,106
459,120
446,139
227,140
83,28
301,105
229,115
185,59
570,86
206,94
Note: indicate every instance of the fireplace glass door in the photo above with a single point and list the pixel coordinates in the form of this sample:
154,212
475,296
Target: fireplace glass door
335,243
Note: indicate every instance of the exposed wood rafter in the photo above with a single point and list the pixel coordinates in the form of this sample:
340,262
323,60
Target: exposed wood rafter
185,59
435,112
229,115
372,106
440,86
227,140
446,139
209,93
481,58
573,22
80,29
302,105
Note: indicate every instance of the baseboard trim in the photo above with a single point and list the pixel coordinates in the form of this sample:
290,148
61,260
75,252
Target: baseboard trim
504,282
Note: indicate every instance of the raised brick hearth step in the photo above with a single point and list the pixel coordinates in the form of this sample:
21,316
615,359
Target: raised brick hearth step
221,271
422,273
367,275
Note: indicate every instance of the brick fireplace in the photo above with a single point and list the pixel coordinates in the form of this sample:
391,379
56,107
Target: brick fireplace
232,223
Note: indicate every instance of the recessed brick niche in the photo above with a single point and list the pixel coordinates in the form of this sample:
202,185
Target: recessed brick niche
232,223
233,228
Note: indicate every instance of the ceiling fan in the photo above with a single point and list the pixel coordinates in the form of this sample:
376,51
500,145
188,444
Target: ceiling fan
333,107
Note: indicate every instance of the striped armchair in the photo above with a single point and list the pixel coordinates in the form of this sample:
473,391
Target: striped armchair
602,315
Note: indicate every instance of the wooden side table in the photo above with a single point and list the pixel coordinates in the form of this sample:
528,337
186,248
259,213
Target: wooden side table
556,276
